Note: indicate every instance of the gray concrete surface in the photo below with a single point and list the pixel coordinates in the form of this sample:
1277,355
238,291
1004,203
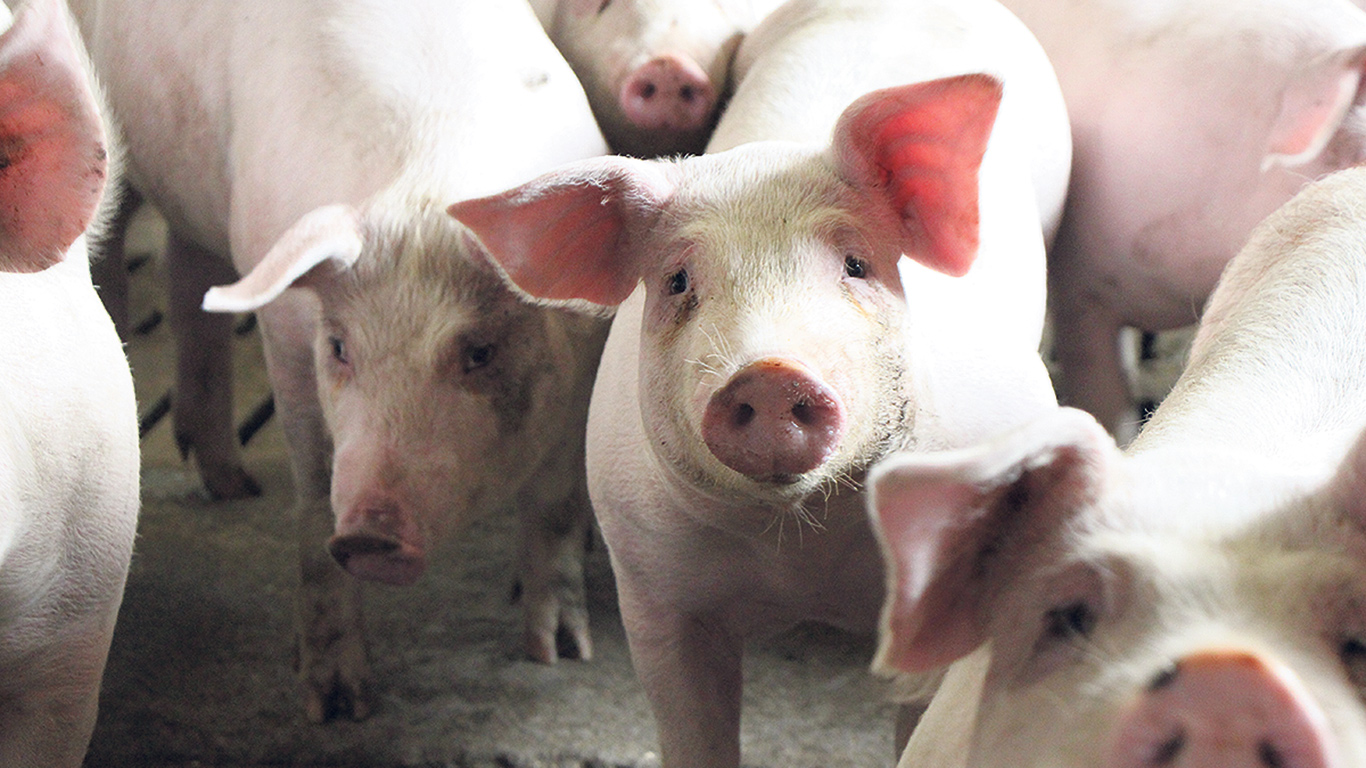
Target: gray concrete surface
200,669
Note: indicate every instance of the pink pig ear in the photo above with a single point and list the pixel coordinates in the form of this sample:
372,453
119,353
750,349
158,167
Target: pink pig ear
566,235
945,520
53,160
1313,108
325,238
920,146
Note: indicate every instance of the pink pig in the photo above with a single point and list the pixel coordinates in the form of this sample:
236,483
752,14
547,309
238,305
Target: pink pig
1197,600
1191,120
789,312
656,71
316,147
68,419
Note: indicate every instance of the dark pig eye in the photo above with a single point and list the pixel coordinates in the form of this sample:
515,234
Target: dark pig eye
477,357
1069,622
677,282
603,6
855,267
338,349
1353,654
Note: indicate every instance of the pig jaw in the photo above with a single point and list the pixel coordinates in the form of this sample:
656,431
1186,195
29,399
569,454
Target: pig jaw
439,389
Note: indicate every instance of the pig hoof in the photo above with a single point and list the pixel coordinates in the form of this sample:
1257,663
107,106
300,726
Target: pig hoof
225,483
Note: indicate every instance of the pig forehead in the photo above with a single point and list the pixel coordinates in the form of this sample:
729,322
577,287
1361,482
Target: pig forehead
758,192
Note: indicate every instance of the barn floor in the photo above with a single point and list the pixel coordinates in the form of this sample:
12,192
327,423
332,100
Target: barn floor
200,669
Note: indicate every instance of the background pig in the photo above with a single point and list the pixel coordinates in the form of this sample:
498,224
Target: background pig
1197,600
68,421
1191,122
655,70
312,144
771,341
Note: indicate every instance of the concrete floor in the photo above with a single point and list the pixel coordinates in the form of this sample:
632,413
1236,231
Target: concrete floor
200,669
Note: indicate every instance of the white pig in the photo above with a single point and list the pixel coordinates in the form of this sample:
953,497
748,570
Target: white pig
1199,600
772,341
656,71
312,142
68,419
1192,120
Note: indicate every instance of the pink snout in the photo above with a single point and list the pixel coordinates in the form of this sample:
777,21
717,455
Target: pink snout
773,420
670,92
1222,709
379,542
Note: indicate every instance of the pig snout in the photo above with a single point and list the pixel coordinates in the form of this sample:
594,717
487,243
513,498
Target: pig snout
1222,709
669,91
379,541
773,420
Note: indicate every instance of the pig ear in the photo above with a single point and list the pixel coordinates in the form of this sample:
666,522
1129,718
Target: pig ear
944,520
53,160
1313,108
566,235
327,238
919,148
1349,485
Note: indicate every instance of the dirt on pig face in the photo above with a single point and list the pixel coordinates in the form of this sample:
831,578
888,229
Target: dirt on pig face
442,389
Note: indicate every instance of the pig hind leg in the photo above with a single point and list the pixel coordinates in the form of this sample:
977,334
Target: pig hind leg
203,393
109,269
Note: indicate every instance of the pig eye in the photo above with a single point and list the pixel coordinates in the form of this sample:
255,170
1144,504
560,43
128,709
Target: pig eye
855,267
1352,651
677,283
477,357
1072,621
338,349
602,7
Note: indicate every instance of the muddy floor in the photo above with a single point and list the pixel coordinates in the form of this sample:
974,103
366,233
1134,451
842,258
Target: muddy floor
200,669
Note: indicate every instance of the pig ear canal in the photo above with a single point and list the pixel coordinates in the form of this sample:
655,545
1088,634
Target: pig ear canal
319,247
919,147
952,524
1313,108
566,235
53,159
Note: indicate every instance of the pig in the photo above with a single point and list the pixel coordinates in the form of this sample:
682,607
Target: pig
771,341
1192,121
1196,599
656,71
68,418
316,147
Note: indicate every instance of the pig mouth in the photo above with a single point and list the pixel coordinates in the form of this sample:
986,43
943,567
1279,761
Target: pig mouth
373,557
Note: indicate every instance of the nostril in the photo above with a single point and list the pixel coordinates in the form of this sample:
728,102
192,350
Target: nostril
647,91
1169,750
1270,756
744,414
805,414
687,93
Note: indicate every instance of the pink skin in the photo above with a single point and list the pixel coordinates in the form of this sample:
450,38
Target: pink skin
774,418
670,91
1217,709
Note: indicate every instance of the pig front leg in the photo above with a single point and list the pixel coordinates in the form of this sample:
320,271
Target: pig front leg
554,534
331,661
203,394
691,669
